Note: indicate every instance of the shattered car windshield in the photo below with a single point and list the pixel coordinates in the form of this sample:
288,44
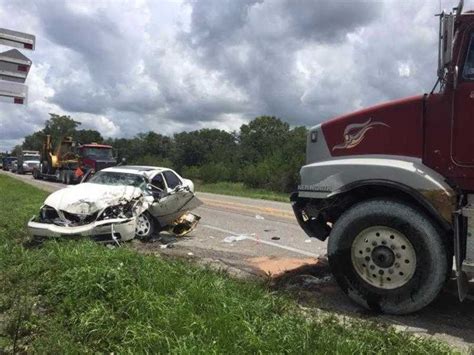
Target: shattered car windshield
116,178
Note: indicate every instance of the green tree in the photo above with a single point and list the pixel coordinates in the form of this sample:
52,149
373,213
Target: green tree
57,126
16,150
157,144
85,136
262,137
34,141
60,126
197,148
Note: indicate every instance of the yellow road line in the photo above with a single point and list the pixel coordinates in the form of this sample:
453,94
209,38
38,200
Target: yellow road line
270,209
248,208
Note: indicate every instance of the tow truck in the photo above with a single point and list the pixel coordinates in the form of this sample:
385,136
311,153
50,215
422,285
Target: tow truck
392,187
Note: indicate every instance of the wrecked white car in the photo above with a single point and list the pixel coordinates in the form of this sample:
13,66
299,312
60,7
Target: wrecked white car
120,203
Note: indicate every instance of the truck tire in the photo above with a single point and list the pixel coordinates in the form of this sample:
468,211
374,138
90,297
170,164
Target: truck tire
36,174
62,177
388,256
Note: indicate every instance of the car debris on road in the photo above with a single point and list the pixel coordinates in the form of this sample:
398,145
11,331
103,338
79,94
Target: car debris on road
119,204
234,238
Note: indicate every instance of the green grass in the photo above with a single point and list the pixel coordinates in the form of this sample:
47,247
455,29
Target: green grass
239,189
77,296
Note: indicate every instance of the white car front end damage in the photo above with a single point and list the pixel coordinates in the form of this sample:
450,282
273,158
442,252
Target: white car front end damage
113,229
102,211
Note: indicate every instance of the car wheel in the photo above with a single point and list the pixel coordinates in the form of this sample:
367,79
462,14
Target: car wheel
145,226
387,256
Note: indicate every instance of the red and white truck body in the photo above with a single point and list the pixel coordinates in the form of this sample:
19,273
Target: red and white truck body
392,186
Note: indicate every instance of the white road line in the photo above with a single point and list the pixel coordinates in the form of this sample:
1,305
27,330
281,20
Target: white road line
294,250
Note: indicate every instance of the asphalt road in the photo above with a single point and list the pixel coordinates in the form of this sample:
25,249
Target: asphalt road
258,237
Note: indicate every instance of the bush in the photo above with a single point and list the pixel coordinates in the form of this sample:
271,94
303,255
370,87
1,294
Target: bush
214,172
191,172
273,173
209,173
152,160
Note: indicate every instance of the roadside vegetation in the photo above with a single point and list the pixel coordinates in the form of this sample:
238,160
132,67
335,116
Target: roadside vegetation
78,296
265,154
240,189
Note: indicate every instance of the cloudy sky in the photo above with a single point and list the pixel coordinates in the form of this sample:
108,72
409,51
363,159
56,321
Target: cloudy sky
125,67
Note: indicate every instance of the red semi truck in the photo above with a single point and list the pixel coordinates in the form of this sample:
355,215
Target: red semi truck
392,186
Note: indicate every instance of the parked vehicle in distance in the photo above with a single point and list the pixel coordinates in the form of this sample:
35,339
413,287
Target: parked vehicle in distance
28,160
7,163
14,166
391,187
120,203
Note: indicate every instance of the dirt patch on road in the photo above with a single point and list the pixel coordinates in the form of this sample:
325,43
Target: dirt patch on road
274,266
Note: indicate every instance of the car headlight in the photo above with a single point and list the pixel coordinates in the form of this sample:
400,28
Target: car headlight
48,214
124,210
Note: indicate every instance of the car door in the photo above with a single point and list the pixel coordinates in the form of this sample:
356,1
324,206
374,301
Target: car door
462,146
173,200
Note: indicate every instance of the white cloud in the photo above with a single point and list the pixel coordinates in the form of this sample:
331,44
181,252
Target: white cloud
126,67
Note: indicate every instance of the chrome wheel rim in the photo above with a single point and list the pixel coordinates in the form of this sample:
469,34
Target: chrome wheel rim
383,257
143,226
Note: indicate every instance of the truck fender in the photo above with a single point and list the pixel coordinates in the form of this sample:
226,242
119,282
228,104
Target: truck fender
394,187
331,178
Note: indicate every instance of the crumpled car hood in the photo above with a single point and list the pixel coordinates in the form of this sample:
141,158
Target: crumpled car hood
88,198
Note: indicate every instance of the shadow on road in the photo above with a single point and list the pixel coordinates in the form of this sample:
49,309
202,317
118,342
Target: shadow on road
313,286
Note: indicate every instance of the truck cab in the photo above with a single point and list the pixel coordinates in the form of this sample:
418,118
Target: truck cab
28,160
392,187
96,156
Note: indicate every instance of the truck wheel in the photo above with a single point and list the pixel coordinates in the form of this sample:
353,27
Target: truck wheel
145,226
388,256
36,174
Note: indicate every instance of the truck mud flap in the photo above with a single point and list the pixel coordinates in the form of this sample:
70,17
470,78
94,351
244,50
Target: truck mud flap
461,277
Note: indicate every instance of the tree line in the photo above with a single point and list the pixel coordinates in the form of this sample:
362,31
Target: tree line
265,153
